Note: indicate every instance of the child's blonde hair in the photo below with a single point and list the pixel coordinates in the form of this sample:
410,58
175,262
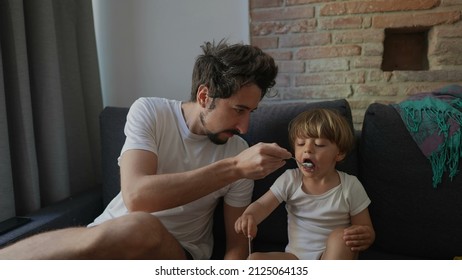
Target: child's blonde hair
323,123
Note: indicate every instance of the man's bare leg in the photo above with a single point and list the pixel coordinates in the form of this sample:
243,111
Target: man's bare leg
134,236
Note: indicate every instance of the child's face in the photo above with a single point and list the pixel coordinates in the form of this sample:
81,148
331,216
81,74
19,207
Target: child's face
321,152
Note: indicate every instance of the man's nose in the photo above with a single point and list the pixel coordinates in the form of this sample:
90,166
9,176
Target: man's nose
243,124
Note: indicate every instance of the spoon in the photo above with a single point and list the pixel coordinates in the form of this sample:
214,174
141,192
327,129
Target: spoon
304,164
250,246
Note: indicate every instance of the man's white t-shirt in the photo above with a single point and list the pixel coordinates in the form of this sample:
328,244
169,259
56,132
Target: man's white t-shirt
157,125
311,218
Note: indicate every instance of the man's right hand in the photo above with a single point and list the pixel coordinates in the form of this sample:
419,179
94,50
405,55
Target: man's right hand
261,159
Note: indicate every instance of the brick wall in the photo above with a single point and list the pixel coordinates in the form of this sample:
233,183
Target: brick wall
329,49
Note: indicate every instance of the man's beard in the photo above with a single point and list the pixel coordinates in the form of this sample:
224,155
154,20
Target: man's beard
214,137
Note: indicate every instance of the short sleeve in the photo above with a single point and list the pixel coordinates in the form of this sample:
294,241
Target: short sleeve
240,193
356,195
140,127
283,186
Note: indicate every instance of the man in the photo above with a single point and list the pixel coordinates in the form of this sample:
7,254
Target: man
178,159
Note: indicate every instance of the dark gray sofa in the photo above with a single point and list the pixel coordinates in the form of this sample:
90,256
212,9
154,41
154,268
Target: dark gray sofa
412,219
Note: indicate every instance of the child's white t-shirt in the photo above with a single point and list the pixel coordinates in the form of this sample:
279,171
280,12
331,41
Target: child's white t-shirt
311,218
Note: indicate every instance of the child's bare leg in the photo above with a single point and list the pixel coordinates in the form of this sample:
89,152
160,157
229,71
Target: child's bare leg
272,256
336,248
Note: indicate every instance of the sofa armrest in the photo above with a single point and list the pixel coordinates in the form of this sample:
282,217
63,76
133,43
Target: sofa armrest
78,210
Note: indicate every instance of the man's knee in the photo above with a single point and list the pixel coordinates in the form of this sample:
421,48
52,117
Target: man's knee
136,233
140,220
144,228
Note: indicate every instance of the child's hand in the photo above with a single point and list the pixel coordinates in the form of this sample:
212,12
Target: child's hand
358,237
246,225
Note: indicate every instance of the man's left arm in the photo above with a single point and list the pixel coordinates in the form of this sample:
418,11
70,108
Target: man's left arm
236,244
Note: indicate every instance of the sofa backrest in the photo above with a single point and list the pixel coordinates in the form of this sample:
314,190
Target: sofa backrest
410,216
112,123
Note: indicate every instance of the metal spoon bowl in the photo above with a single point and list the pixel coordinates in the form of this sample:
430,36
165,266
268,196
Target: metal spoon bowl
304,164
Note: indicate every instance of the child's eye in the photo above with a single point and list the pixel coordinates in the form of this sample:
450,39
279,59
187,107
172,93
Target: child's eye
320,143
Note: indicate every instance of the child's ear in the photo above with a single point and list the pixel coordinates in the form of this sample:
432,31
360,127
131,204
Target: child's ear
340,157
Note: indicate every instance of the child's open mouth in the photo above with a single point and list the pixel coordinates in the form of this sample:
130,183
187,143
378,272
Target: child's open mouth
308,163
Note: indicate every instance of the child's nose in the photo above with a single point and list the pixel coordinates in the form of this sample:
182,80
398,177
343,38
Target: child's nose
309,148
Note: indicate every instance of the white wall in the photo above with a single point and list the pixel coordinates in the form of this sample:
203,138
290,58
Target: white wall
148,47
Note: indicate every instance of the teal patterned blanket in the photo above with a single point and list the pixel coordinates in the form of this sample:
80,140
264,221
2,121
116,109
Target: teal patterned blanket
434,120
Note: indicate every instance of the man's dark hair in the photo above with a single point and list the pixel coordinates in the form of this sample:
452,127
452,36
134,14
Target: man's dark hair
224,69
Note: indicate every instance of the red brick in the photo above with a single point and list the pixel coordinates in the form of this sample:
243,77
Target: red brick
377,90
359,36
300,2
312,39
318,92
428,76
406,20
357,77
444,52
280,54
266,28
373,49
364,7
281,14
291,66
373,62
448,47
283,80
340,23
448,31
282,27
326,65
303,26
425,87
445,61
265,3
265,42
379,76
446,3
328,51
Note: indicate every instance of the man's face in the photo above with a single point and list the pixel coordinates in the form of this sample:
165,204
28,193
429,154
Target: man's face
223,118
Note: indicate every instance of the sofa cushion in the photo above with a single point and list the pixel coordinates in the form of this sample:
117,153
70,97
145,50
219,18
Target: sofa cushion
410,216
